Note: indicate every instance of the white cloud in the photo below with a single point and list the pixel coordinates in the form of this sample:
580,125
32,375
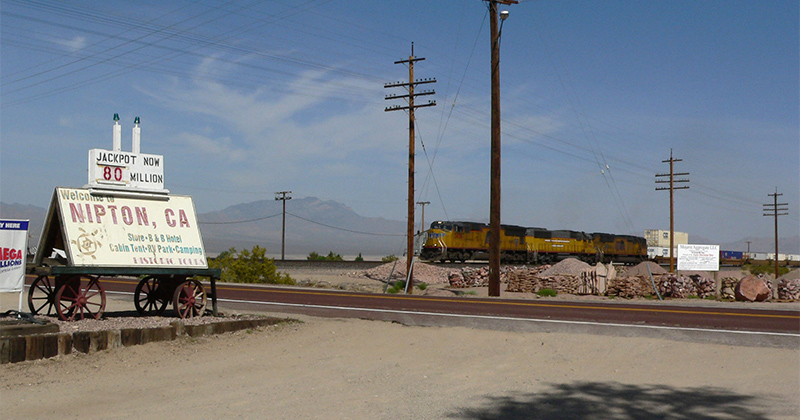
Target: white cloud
75,44
222,148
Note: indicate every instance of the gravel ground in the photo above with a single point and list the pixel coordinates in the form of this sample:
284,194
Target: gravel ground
356,369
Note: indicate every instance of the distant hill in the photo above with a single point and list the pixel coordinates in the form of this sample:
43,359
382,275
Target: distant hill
322,226
311,225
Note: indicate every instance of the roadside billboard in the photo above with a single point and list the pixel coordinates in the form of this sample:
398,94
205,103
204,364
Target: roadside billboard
107,231
698,257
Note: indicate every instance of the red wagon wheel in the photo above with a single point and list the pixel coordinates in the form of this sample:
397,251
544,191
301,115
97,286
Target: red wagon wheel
76,302
41,295
151,296
189,299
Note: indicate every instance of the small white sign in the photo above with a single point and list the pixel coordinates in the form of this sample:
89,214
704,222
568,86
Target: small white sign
698,257
125,170
13,253
108,231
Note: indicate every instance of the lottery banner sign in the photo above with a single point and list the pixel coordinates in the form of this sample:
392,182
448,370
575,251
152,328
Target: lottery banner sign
13,253
107,231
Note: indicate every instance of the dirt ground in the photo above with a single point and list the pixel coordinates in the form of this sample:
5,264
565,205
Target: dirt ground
356,369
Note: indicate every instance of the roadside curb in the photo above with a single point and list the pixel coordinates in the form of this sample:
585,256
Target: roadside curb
20,348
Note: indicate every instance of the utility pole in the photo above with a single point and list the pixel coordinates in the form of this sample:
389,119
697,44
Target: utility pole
281,195
422,223
411,143
774,210
672,174
494,205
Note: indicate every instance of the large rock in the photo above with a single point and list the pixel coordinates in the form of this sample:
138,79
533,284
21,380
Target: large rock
752,289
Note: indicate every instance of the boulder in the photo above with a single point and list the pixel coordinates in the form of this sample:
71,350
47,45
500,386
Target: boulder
752,289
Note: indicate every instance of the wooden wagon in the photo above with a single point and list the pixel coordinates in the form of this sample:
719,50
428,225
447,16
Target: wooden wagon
74,293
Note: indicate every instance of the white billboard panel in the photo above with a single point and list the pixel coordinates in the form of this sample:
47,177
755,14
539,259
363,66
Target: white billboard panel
109,231
13,253
698,257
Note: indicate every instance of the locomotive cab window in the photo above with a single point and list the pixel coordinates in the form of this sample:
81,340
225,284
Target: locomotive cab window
441,226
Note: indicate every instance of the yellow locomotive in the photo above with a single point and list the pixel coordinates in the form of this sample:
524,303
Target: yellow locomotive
461,241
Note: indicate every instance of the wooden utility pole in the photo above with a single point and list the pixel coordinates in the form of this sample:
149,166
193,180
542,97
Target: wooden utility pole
411,143
494,204
281,195
774,210
672,174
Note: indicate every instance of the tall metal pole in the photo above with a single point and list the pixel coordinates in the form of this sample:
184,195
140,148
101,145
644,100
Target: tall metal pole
282,195
494,206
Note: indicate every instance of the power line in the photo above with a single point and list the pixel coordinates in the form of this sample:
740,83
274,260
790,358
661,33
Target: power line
239,221
344,229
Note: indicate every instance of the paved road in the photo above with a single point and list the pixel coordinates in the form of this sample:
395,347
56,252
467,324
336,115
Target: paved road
719,323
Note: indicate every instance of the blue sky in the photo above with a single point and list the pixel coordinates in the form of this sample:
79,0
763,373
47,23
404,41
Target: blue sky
246,98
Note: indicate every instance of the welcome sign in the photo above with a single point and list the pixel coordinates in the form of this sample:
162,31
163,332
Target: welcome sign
108,231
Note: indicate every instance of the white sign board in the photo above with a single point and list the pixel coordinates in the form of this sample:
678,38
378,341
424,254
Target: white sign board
698,257
124,170
13,253
107,231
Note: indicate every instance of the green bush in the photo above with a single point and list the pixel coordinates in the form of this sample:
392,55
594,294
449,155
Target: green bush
359,258
547,292
389,258
768,268
248,267
400,286
313,256
397,287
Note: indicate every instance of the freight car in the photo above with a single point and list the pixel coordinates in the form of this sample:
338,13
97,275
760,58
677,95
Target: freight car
461,241
741,258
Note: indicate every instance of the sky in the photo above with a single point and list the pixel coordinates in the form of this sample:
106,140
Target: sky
247,98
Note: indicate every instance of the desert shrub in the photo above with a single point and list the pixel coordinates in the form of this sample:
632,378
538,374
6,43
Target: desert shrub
313,256
400,286
547,292
389,258
768,268
248,266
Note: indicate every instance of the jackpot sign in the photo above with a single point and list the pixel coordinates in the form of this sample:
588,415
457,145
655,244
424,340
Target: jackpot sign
102,230
136,171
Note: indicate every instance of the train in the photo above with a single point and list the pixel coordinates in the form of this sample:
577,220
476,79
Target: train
461,241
